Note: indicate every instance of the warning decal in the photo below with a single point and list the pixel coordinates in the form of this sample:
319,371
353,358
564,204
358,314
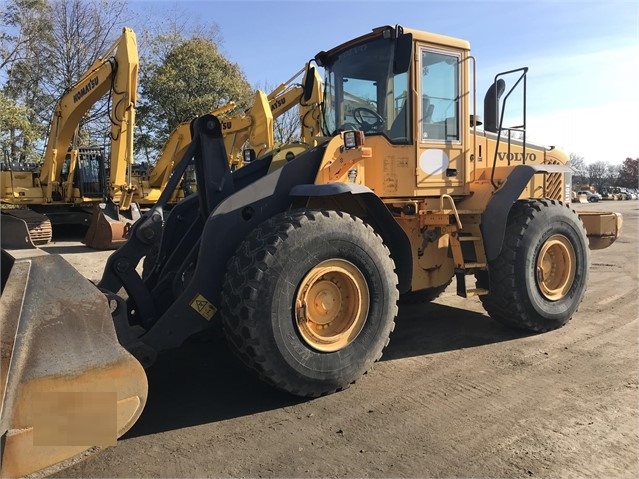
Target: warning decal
204,307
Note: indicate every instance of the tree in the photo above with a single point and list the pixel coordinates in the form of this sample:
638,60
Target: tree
45,47
596,173
82,31
16,128
578,166
629,173
611,176
185,78
22,21
25,33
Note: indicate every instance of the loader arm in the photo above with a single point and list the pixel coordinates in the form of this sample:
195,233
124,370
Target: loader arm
175,148
232,202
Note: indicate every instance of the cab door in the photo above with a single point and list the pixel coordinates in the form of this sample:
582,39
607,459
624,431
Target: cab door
440,153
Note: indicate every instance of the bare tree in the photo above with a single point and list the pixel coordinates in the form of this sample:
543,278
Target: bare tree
596,173
82,31
578,166
629,173
54,44
611,176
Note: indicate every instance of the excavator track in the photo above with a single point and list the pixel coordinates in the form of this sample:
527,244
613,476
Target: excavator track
39,226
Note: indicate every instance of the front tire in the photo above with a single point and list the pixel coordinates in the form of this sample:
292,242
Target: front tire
539,279
310,300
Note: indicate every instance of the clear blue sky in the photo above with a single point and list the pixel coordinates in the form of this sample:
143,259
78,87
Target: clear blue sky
583,83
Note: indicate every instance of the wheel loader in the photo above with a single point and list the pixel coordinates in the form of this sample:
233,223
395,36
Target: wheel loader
304,265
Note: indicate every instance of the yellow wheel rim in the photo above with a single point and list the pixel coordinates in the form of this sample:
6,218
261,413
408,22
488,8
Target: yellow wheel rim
331,305
556,266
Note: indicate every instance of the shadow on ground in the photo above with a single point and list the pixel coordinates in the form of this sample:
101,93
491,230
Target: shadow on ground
67,249
203,383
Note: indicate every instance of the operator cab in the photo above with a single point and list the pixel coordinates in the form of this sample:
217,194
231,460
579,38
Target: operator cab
408,87
363,90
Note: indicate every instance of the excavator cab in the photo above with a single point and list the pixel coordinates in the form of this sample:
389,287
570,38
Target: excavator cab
88,172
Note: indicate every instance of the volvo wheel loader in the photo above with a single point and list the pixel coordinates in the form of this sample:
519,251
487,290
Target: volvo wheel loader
304,265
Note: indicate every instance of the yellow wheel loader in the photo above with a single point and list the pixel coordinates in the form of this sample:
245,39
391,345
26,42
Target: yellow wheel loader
305,264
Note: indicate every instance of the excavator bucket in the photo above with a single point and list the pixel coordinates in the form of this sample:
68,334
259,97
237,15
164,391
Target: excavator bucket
66,383
106,230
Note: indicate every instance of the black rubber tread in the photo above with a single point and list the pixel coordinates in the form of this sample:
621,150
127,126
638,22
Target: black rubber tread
423,296
261,284
513,299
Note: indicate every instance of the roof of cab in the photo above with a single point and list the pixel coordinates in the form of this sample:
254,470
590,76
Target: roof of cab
419,35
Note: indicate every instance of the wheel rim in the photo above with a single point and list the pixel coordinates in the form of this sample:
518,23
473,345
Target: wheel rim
556,266
331,305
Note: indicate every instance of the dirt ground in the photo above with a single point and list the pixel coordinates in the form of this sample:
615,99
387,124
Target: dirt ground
455,395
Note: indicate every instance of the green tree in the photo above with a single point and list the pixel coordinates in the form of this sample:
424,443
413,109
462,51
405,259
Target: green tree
25,33
183,78
16,128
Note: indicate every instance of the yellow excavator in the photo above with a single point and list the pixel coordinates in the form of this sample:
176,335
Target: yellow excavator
247,134
403,191
72,179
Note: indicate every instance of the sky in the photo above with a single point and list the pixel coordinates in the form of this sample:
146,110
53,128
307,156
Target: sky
583,56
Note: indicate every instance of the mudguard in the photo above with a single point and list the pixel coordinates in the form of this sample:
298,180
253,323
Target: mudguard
377,214
494,217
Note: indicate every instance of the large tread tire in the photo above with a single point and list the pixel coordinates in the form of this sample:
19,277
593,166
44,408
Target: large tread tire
263,281
517,297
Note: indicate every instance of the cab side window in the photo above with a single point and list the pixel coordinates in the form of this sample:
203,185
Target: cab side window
439,109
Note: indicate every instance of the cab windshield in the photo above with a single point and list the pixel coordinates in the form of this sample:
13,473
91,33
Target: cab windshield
362,92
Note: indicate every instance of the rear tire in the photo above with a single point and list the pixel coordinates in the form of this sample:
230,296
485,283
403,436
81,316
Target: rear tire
309,301
539,279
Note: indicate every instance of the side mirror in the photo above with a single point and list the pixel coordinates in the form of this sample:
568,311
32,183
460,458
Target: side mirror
491,105
309,83
403,53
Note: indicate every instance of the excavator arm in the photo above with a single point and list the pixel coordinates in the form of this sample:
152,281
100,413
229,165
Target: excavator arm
251,128
116,71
